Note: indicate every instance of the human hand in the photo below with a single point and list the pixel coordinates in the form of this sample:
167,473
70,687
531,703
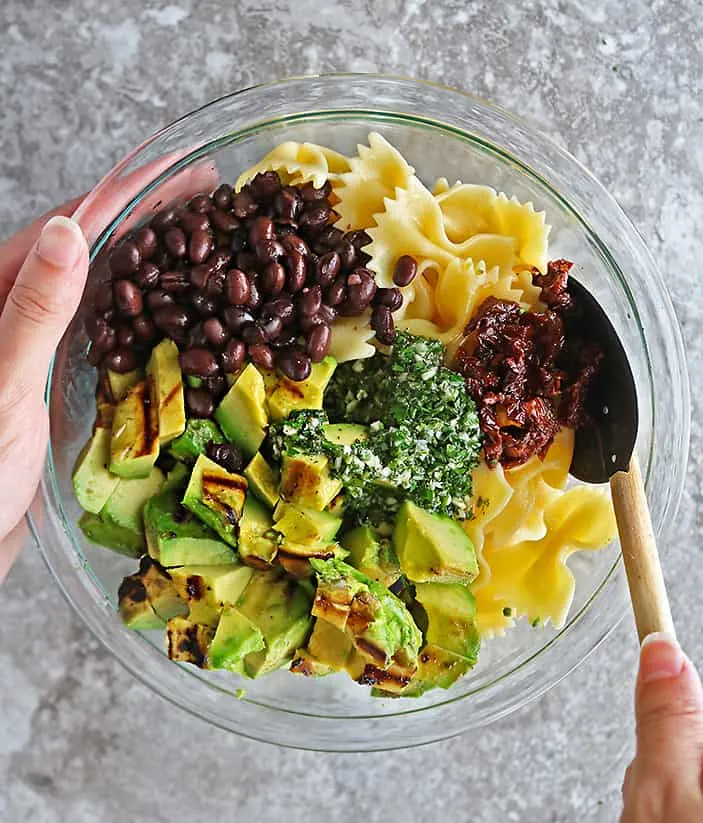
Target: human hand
664,783
43,270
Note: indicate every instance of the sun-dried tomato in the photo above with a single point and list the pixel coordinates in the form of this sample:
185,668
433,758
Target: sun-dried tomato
525,376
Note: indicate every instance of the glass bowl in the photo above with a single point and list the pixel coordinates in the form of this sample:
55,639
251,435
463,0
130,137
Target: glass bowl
441,132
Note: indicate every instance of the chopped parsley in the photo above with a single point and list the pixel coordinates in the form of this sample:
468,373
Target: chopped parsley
423,432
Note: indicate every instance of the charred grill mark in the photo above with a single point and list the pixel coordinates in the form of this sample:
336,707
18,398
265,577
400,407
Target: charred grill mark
230,481
389,679
213,486
195,587
302,665
370,650
292,388
132,588
148,425
171,396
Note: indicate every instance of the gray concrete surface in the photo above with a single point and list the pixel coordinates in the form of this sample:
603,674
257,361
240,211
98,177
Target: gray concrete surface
81,81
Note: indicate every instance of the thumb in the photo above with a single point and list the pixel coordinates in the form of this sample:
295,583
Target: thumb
41,303
669,707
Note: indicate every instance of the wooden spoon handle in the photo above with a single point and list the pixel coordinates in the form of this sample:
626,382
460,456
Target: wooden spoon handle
639,552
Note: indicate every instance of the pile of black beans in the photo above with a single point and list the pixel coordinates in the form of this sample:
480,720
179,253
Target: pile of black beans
258,275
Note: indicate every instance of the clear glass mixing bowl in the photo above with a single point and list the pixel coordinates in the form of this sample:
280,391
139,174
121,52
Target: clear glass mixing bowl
442,133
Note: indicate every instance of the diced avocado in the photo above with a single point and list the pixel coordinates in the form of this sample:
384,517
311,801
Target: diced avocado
148,598
345,434
257,544
306,394
177,479
216,497
301,525
391,681
306,481
242,413
337,506
451,618
236,638
437,668
104,414
165,370
193,442
295,557
280,609
372,555
206,589
92,482
263,480
176,538
135,433
381,627
433,547
111,536
271,381
120,384
188,642
327,651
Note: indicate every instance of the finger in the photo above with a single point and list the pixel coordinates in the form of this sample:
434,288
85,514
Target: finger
669,709
14,250
40,306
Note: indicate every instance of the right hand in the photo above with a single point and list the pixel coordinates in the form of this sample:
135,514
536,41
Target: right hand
664,783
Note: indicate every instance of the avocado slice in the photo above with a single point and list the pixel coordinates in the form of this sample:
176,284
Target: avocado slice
193,442
372,555
280,609
258,543
433,547
301,525
176,538
305,394
165,371
216,497
148,598
345,434
295,557
207,589
177,479
306,481
236,637
188,642
120,384
111,536
327,651
134,446
242,413
381,627
263,480
92,481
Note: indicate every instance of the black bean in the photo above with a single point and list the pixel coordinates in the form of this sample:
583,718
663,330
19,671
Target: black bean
175,281
103,300
94,325
271,327
261,356
318,342
393,298
235,318
265,185
158,299
200,403
284,340
361,288
199,276
144,331
244,205
287,203
128,298
217,386
161,259
297,271
215,286
253,334
294,363
308,322
327,268
280,307
232,358
200,204
175,242
147,276
162,221
327,314
215,332
284,229
172,320
247,261
348,254
199,363
292,242
147,242
205,305
267,251
314,218
195,339
102,336
260,229
310,194
405,270
273,279
382,323
108,315
336,294
358,237
194,221
226,455
95,357
121,360
255,297
219,260
222,196
224,221
237,287
125,259
309,300
349,309
329,238
239,241
125,335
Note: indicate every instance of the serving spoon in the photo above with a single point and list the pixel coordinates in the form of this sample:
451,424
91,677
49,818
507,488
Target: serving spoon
604,453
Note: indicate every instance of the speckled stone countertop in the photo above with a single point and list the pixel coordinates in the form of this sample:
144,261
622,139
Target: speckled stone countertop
618,83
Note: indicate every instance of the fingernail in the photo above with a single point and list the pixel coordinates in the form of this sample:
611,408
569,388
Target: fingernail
661,658
60,242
